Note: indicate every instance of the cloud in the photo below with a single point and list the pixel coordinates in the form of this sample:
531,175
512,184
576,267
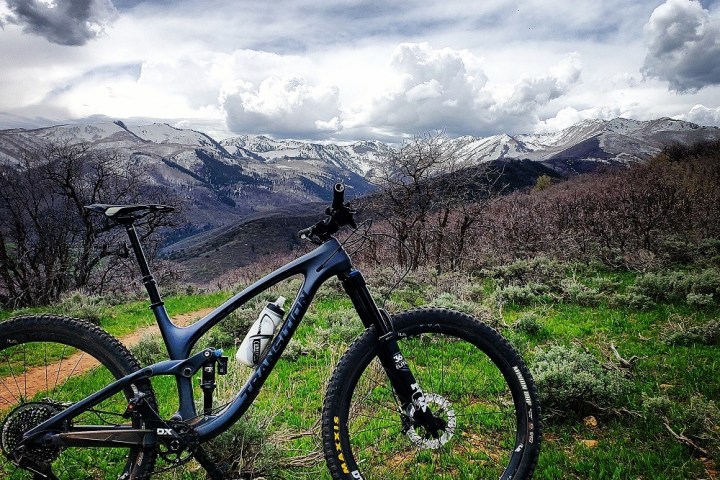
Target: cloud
683,46
570,116
448,89
433,89
530,93
288,106
65,22
702,115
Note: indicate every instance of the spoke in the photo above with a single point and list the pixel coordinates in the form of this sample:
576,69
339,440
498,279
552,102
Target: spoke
373,416
442,378
46,365
427,362
456,370
62,387
57,374
384,427
475,449
481,414
9,391
410,453
25,367
12,374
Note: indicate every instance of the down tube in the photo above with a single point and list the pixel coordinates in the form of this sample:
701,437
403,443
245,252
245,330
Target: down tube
215,426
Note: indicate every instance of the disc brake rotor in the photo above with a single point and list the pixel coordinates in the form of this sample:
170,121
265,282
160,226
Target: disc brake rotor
441,408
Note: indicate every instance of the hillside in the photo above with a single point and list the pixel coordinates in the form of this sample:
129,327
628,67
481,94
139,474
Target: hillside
221,185
237,181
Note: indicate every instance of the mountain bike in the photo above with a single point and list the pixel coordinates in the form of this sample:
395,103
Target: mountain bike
424,393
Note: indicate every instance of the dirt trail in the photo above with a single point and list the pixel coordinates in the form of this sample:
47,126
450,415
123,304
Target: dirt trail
44,378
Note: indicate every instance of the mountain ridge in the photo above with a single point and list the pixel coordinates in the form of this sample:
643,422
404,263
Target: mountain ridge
231,178
250,193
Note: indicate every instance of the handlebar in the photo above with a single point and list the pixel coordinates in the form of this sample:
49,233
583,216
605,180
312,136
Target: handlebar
339,214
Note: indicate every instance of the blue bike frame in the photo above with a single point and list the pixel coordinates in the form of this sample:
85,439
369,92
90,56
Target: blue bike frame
328,260
317,266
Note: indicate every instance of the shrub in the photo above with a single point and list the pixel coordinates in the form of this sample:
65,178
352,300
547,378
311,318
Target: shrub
605,285
245,449
522,295
705,282
529,323
572,383
636,301
150,349
700,300
698,419
81,305
708,252
448,300
344,327
676,286
671,286
538,270
685,333
575,292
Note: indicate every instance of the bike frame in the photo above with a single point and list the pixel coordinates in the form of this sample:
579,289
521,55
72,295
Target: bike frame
328,260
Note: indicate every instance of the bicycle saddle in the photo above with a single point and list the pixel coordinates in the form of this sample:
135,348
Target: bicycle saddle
127,212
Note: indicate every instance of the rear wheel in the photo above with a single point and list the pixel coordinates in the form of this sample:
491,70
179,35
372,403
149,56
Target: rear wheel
482,395
47,363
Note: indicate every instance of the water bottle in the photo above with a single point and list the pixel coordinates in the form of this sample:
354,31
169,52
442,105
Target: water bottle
262,331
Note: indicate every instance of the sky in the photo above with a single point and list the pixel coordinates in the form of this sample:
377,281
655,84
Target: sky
357,70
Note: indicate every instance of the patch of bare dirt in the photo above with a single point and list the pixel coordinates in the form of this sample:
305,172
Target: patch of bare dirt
50,377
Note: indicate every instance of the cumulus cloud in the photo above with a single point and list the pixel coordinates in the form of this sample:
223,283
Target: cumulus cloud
530,93
448,89
702,115
434,90
287,106
683,46
570,116
65,22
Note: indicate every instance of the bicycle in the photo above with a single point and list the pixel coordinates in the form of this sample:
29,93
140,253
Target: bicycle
425,393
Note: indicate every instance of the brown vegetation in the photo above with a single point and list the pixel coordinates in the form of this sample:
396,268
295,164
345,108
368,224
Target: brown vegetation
49,244
648,214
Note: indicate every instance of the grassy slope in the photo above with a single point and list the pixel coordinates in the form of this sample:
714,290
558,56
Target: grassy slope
630,445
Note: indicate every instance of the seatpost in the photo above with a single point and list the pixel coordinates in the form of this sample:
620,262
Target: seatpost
148,279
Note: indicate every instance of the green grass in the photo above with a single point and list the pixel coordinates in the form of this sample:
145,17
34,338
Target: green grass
631,443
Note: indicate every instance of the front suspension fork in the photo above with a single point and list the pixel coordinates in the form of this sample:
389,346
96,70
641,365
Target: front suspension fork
406,387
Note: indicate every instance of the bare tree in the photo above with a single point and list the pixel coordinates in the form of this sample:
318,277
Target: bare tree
430,196
49,243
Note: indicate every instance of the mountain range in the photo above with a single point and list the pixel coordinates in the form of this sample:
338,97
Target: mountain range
590,143
235,179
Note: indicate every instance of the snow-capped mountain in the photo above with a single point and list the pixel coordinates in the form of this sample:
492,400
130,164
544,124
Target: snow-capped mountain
619,140
227,179
222,184
357,157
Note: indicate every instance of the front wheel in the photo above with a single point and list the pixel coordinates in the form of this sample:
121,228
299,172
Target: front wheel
473,380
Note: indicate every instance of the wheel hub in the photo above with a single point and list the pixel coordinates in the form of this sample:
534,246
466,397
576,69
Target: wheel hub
444,430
